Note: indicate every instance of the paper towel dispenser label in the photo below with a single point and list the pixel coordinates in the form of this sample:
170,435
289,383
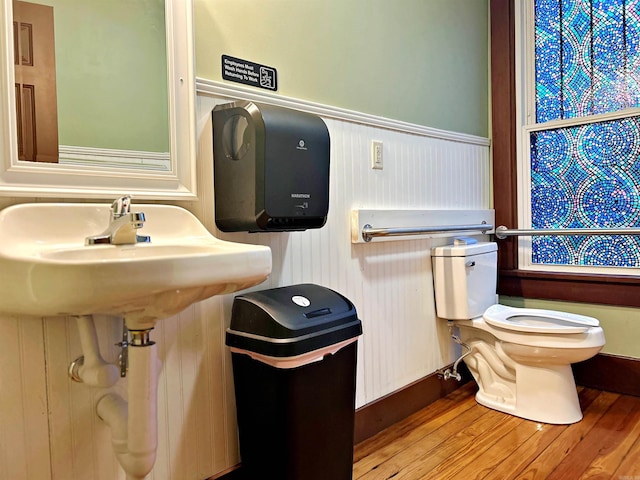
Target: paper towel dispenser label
249,73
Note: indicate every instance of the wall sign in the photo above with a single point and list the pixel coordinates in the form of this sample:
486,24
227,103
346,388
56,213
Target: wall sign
249,73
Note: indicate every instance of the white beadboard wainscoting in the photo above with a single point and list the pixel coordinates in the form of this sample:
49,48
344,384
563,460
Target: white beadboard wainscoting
48,426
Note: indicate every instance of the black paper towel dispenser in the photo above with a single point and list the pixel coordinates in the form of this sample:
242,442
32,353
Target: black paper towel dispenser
271,168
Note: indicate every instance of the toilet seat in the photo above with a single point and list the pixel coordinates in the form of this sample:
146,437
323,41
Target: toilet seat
532,320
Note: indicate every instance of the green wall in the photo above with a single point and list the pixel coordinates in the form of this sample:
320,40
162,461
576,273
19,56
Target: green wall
420,61
111,74
621,325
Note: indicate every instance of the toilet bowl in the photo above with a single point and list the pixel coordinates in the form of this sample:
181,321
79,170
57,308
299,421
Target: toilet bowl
520,357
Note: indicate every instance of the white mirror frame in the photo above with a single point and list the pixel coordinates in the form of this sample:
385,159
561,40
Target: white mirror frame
19,178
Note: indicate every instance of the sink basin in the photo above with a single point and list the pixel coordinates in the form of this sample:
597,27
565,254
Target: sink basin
48,271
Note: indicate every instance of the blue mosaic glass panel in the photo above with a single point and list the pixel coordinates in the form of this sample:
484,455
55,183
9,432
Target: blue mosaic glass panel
587,61
587,57
586,176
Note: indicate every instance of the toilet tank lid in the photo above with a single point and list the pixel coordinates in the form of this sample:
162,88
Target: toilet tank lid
464,250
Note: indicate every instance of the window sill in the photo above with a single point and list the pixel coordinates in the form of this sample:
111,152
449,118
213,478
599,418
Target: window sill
600,289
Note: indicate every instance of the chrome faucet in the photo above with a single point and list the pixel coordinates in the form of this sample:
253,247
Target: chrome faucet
122,227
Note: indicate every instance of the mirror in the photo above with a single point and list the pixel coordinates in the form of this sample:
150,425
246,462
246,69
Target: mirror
149,157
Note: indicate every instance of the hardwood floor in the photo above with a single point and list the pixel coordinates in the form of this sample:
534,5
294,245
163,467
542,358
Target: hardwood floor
455,438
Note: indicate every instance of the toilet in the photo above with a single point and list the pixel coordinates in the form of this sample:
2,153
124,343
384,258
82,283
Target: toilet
520,357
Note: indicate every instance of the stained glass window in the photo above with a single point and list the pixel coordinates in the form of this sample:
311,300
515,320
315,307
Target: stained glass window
587,62
587,57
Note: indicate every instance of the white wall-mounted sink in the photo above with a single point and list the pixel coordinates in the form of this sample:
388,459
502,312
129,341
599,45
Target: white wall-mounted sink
47,269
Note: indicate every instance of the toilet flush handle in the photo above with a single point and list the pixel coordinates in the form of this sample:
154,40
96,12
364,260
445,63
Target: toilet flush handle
470,263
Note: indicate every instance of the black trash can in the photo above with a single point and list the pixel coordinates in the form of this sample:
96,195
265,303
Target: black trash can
294,366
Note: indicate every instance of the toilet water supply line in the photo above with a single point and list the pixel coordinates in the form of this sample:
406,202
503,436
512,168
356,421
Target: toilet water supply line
133,423
453,372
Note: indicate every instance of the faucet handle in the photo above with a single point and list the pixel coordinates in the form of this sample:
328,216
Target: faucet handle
120,206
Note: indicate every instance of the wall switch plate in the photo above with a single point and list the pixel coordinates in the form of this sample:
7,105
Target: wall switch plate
376,154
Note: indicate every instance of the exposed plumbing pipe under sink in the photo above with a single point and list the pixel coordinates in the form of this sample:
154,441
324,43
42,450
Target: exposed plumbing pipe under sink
133,422
91,368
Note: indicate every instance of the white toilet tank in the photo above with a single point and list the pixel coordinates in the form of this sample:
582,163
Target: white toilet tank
464,278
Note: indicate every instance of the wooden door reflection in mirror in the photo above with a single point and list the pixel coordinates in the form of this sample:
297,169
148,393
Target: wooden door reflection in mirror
35,73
